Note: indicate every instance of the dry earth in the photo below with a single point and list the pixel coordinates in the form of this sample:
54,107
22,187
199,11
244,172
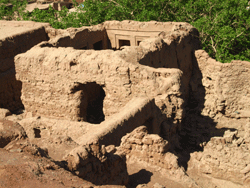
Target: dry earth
120,104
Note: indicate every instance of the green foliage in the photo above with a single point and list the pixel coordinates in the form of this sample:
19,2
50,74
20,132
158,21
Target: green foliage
224,29
15,11
223,25
54,17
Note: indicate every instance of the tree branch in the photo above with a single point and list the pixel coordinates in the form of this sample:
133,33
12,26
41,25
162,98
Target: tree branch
213,45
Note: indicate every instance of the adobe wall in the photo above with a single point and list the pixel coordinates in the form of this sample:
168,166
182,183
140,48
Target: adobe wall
194,103
181,39
138,111
19,36
141,147
94,163
78,38
49,76
225,87
58,77
15,38
135,32
217,120
174,48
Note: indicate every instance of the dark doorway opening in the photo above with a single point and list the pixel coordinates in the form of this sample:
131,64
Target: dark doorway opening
91,96
149,124
98,45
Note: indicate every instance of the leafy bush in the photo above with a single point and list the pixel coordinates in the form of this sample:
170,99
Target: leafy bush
15,11
223,25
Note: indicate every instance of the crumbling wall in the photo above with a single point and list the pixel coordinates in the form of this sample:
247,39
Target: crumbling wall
15,38
225,158
226,87
216,126
167,45
148,147
119,72
50,74
137,112
141,147
218,99
93,37
93,163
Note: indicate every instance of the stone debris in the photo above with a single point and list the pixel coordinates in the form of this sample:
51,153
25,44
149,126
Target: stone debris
92,161
4,113
152,149
224,158
10,131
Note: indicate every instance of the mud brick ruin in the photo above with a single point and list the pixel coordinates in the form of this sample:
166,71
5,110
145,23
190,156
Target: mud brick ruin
105,100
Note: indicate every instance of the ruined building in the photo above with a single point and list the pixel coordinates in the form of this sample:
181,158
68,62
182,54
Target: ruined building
78,92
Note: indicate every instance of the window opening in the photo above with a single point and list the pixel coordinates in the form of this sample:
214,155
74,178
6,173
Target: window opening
124,43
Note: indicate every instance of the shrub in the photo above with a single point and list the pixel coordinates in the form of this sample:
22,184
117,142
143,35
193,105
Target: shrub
12,12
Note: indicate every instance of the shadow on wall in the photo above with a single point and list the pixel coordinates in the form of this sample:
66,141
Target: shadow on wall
84,40
142,111
10,89
90,102
196,128
163,56
141,177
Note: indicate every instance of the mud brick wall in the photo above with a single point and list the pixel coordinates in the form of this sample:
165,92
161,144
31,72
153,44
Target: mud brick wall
25,37
225,87
51,76
92,162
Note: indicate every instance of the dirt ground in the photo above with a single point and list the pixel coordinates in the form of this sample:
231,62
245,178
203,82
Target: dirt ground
141,174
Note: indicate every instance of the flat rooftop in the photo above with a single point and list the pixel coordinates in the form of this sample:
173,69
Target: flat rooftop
8,29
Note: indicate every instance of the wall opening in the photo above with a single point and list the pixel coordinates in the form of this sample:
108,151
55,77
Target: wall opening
90,102
138,43
124,43
98,45
37,133
149,124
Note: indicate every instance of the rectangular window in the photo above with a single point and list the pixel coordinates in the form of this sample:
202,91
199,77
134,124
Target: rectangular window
124,43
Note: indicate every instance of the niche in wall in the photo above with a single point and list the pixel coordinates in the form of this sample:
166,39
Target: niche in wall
90,104
149,124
